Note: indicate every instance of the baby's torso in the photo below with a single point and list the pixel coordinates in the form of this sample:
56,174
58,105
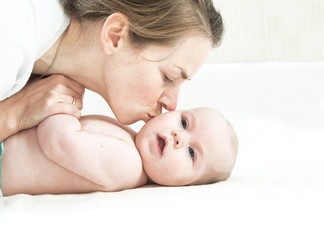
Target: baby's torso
25,168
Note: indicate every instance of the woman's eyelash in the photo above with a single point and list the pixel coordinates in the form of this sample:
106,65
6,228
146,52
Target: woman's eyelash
166,79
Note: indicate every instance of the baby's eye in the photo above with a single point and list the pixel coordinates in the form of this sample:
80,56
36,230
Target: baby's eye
184,124
191,153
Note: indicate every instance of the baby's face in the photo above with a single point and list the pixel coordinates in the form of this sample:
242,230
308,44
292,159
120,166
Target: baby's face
184,147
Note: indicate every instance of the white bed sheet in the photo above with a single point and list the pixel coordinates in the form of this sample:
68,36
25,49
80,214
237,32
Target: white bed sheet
276,190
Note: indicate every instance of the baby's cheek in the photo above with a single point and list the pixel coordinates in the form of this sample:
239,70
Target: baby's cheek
177,167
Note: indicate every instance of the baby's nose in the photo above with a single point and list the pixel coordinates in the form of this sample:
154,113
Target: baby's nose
178,139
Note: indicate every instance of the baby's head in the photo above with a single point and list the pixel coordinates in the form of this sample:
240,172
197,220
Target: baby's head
196,146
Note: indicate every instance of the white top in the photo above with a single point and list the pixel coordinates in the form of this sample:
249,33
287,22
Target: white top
28,28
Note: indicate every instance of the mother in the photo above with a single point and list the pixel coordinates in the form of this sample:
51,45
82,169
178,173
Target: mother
134,53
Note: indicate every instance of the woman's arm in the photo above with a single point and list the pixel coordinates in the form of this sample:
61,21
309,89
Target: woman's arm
105,160
7,121
39,100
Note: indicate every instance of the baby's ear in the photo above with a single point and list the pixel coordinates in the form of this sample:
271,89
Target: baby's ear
114,32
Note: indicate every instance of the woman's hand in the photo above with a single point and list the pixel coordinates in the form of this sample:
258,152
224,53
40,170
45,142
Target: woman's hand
39,100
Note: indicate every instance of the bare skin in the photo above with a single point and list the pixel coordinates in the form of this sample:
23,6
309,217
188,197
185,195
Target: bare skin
100,57
96,153
29,170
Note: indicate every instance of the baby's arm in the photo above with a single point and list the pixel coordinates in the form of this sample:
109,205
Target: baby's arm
102,159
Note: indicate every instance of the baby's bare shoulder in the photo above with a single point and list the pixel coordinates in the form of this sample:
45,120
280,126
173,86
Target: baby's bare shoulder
108,126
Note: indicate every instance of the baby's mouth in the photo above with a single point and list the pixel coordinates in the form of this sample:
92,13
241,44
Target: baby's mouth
161,143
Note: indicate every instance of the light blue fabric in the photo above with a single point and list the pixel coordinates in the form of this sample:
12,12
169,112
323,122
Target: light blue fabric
1,151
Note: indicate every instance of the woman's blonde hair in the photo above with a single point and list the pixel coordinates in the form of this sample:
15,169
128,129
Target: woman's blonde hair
161,22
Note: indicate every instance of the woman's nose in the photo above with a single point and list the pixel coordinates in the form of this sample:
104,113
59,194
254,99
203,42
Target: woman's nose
169,100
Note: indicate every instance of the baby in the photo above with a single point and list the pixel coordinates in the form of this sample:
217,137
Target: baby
96,153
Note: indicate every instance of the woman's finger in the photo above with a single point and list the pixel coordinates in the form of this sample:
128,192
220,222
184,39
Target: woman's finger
67,83
59,84
43,98
70,99
64,108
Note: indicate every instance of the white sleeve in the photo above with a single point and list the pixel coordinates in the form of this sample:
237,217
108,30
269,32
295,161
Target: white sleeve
17,46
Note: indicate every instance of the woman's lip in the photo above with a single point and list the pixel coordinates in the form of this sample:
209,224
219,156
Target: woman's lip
149,117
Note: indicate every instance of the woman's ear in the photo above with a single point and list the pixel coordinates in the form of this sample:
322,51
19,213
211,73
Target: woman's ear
114,32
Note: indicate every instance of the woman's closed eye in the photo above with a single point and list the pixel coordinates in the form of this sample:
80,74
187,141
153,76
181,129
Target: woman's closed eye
167,79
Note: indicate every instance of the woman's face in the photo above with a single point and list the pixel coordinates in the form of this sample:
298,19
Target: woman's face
139,85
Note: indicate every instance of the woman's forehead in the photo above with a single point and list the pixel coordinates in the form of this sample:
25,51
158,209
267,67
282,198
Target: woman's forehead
188,54
191,54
